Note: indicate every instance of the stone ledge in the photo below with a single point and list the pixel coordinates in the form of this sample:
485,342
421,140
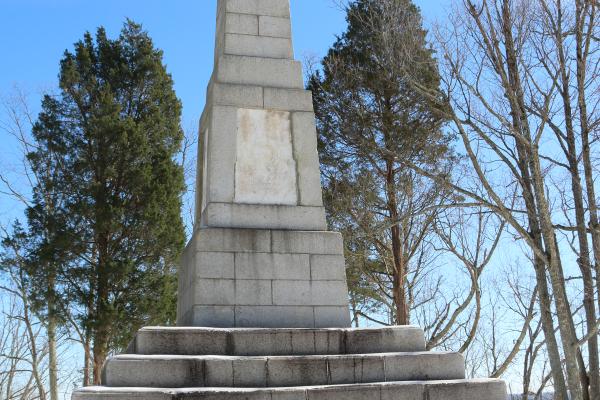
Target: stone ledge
258,46
472,389
274,8
276,342
253,216
259,71
280,371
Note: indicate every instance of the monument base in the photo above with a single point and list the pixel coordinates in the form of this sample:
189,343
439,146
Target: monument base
253,278
287,364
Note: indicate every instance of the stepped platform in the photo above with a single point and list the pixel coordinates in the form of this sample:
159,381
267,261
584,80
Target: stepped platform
287,364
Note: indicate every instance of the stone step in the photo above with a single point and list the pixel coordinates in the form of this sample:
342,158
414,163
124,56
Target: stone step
279,371
478,389
276,342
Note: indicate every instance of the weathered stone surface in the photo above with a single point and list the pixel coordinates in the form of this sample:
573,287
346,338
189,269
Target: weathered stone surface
235,95
258,46
260,216
215,292
277,8
276,342
214,316
244,24
214,265
275,27
259,71
265,169
274,316
305,151
272,266
231,240
260,278
253,292
327,267
279,371
307,242
221,141
327,316
288,100
314,293
488,389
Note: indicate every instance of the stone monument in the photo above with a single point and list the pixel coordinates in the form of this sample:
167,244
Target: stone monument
263,305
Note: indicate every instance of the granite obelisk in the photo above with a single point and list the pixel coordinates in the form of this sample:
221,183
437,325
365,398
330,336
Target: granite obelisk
261,264
260,255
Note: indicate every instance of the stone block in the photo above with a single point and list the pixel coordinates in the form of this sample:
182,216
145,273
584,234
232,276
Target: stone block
250,372
314,293
297,371
341,370
235,95
243,24
256,216
292,293
344,393
180,341
304,134
277,342
265,168
232,240
327,317
258,71
272,266
288,99
213,316
221,154
369,369
214,265
275,27
327,267
104,393
424,366
274,317
253,293
257,342
329,341
288,394
258,46
403,391
135,371
215,292
475,389
382,340
219,372
307,242
276,8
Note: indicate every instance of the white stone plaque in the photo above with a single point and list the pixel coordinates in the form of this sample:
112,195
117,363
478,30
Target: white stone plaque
265,169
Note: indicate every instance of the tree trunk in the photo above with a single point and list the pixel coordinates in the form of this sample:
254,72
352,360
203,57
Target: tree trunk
584,250
87,362
541,209
52,353
399,275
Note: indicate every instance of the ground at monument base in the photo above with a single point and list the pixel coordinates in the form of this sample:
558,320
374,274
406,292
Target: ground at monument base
287,364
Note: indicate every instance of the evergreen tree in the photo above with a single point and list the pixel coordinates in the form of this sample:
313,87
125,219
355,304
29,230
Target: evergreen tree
114,132
369,118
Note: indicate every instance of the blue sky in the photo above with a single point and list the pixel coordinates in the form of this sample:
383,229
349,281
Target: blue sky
35,34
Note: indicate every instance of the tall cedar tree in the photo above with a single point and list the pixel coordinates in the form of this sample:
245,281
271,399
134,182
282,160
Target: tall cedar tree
368,118
115,132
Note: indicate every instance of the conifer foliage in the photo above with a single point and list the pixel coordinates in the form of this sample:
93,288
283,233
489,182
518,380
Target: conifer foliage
370,118
113,133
